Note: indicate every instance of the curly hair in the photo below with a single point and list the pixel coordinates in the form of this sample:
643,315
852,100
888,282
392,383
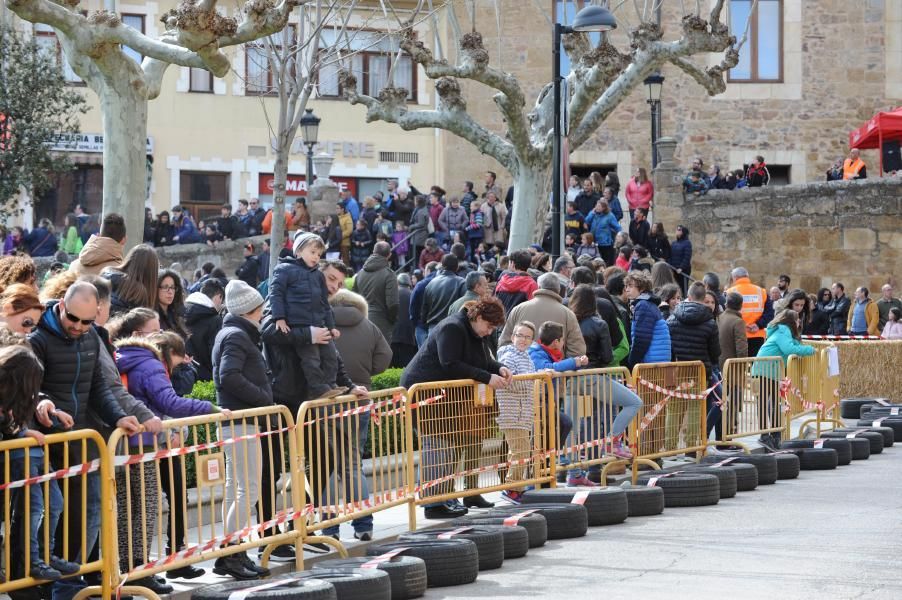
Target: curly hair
489,309
16,269
55,287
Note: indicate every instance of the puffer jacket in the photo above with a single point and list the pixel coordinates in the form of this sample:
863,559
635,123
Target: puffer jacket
187,230
362,347
453,219
694,334
96,255
650,337
515,404
440,294
598,342
681,255
298,294
203,322
779,342
240,375
603,226
143,370
73,377
378,284
515,287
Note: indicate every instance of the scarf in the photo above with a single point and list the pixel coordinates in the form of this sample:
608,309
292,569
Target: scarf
494,218
556,355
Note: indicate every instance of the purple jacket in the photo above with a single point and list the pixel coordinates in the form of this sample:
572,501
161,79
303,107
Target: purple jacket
148,382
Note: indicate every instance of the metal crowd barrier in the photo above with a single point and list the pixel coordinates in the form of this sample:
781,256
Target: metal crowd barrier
357,457
671,420
54,482
586,398
457,426
751,398
802,389
825,403
248,492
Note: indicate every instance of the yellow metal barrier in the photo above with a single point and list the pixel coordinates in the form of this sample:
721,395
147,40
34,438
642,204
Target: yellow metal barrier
672,417
823,389
467,431
357,457
751,397
804,375
586,397
54,483
248,489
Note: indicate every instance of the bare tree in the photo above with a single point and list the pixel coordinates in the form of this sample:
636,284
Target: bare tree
600,79
195,34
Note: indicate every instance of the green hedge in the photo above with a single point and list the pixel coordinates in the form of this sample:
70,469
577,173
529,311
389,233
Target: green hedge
387,379
202,390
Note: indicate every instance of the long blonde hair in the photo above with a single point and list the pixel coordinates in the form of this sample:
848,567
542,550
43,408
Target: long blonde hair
787,317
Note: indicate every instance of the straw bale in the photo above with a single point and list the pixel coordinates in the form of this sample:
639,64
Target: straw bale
869,368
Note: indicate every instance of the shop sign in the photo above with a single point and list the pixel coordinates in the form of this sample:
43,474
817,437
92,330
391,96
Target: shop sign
296,185
83,142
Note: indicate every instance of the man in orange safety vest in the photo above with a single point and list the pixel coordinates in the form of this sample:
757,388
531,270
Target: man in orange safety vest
757,308
854,167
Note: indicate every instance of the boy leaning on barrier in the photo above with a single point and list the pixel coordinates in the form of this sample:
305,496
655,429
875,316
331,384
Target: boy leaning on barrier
547,352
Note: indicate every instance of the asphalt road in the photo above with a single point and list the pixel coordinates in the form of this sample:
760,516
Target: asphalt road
827,535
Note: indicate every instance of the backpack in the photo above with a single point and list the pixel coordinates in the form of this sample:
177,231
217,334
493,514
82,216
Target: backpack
622,350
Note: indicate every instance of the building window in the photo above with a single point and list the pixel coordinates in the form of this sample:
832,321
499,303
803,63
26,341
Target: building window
761,57
136,22
203,193
779,174
372,56
564,12
259,78
45,38
201,80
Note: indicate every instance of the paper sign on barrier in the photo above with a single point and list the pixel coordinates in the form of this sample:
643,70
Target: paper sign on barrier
514,519
819,443
209,469
832,361
378,560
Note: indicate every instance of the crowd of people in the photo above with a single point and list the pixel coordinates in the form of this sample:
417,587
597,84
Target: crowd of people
322,328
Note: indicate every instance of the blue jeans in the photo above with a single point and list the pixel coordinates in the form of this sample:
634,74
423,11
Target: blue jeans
65,589
36,504
421,333
362,491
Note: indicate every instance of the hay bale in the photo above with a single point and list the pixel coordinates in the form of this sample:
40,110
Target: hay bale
869,368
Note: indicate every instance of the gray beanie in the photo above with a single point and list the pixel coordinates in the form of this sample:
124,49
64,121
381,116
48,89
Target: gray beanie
240,298
302,238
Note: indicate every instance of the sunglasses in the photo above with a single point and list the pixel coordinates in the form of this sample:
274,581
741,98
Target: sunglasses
75,319
28,324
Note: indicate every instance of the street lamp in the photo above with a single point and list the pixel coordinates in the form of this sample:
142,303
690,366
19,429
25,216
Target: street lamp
653,85
591,18
309,132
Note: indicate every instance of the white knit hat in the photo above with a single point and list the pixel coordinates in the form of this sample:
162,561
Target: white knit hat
240,298
302,238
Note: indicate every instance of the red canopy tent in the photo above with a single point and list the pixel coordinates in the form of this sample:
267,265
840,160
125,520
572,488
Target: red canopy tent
882,127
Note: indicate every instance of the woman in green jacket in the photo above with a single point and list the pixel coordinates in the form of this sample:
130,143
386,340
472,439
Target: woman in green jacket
783,340
71,242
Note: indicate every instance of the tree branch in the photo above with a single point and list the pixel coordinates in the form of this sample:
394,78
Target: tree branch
450,115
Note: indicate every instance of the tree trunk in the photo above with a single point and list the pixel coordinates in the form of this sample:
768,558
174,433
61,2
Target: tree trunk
124,109
280,177
531,188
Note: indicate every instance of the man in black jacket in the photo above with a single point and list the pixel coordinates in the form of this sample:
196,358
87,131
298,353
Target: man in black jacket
693,336
442,292
838,310
69,348
229,225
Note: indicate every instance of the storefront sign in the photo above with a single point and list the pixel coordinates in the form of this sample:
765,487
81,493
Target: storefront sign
84,142
297,185
344,148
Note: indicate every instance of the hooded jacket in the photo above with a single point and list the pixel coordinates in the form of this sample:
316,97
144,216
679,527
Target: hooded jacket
650,337
378,284
780,343
72,372
694,335
144,373
203,322
298,294
547,306
97,254
681,254
362,347
515,287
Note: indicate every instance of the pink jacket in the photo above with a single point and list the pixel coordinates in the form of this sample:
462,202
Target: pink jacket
639,195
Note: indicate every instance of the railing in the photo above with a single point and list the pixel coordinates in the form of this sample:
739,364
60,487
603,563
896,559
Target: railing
751,397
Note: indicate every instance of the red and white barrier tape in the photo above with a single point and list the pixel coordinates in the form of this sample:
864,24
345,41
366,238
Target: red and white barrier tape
73,471
378,560
786,387
841,337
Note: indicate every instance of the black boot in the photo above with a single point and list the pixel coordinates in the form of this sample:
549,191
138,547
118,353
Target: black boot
477,502
186,572
234,567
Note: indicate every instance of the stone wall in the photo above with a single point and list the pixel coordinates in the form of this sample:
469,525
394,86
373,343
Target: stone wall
226,255
816,233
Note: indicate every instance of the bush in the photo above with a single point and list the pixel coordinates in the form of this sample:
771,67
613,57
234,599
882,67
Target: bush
390,378
202,390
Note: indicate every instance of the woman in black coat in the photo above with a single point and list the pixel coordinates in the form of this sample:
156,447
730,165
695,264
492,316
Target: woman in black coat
594,329
458,348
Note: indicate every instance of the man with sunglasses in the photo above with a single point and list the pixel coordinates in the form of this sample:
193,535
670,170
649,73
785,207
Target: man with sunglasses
69,348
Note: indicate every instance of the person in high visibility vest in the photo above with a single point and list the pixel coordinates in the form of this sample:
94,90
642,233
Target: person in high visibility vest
854,167
757,308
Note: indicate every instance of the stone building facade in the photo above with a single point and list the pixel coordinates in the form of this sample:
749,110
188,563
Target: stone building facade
840,63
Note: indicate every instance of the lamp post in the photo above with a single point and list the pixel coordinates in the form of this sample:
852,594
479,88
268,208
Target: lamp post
309,132
653,84
590,18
